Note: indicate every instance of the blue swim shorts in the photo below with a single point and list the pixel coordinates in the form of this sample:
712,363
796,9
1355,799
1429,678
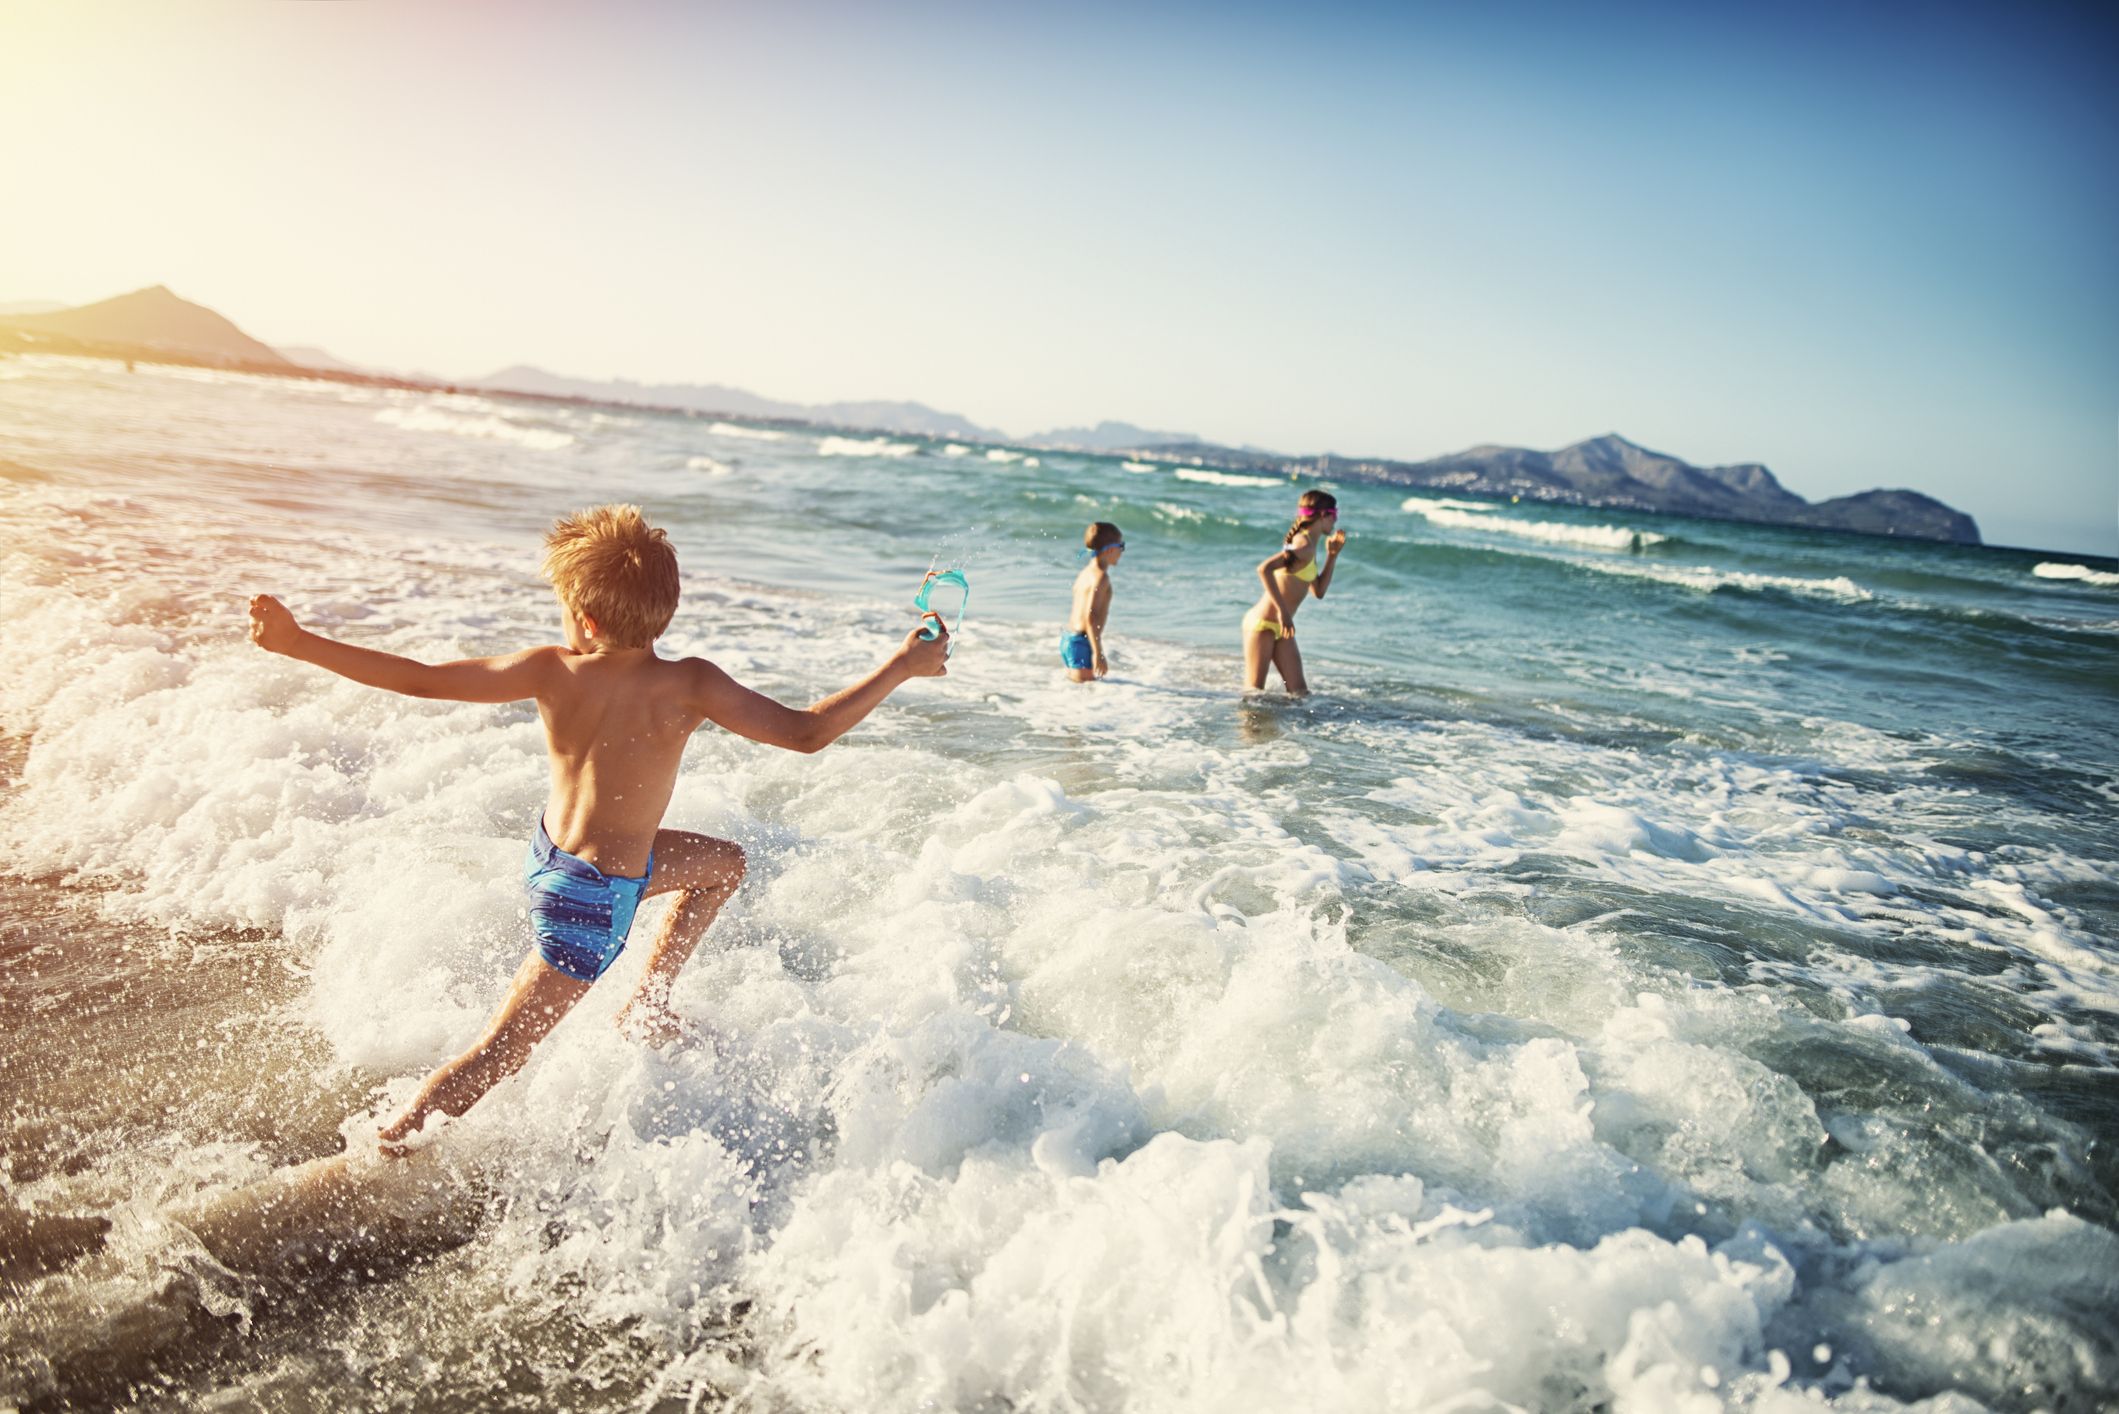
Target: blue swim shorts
1074,651
579,914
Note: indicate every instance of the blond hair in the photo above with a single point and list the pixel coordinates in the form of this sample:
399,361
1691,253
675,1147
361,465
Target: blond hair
610,565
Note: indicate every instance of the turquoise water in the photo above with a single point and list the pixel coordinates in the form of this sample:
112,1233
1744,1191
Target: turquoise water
1665,964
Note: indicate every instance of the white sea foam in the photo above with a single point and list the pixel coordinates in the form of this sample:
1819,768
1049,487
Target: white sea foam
1058,1041
1048,1072
710,465
864,447
490,427
755,434
2082,573
1004,455
1224,478
1139,468
1603,537
955,450
1707,579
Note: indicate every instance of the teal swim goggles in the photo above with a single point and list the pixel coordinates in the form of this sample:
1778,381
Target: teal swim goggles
947,579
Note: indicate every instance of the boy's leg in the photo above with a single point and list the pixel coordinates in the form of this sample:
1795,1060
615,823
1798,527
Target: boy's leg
540,995
703,872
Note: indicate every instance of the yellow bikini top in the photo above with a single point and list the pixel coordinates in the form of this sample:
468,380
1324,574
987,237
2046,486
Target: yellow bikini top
1307,572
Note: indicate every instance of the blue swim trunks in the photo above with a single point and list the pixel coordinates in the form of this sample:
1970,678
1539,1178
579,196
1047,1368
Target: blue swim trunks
1074,651
580,914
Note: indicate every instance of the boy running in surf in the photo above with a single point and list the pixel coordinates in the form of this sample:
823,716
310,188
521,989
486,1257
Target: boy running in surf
616,719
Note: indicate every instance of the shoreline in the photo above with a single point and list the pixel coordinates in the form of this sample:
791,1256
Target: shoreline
1373,471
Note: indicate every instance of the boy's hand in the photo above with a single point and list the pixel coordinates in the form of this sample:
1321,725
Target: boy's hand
1102,668
927,657
272,627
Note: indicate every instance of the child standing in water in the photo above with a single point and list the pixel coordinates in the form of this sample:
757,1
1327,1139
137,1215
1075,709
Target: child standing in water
1082,645
616,718
1299,569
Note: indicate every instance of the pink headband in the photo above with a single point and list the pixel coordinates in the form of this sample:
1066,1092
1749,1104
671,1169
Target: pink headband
1305,512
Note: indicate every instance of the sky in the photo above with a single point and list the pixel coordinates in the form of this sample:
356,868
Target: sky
1866,245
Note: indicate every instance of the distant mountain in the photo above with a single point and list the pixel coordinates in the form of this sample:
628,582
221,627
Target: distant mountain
151,319
1611,471
715,397
1107,437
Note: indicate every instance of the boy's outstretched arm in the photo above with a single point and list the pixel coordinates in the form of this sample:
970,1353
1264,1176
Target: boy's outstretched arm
732,706
509,678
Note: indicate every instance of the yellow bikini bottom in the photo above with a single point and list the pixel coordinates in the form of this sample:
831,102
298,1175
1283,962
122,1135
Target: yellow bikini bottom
1279,631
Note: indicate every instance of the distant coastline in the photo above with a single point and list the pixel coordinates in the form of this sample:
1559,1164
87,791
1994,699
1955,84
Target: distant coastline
1603,472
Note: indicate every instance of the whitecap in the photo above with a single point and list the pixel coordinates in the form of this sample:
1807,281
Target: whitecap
1139,468
1707,579
859,447
755,434
1223,478
489,427
2080,573
1602,537
1004,456
710,466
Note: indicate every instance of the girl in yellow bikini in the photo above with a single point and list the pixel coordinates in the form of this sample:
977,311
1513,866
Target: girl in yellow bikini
1269,629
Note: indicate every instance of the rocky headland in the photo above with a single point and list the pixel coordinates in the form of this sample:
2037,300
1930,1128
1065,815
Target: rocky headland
1610,471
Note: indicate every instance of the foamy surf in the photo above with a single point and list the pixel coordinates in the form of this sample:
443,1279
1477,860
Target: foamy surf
1707,579
1632,1031
1461,515
1222,478
748,434
2082,574
864,447
483,421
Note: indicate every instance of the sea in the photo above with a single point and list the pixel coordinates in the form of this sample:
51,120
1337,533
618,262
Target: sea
1665,965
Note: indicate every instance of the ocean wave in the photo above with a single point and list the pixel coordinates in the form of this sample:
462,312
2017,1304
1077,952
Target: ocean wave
710,466
1602,537
1707,579
1004,456
755,434
1364,1060
1058,1029
2081,574
1223,478
864,447
491,427
955,450
1139,468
